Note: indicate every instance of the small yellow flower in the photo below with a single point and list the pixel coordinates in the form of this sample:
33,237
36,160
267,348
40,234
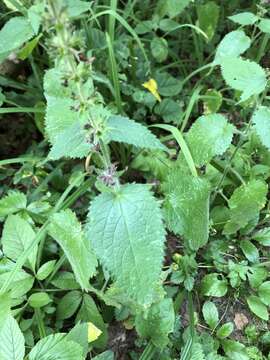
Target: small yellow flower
152,86
93,332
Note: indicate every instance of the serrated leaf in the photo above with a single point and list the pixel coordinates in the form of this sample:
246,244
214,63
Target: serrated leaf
17,237
11,341
196,352
122,129
210,314
235,350
128,237
13,202
186,207
13,34
261,124
212,285
245,204
66,230
158,324
244,75
244,18
209,136
55,347
232,45
64,125
257,307
264,292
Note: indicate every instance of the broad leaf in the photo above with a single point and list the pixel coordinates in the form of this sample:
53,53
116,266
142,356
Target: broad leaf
244,75
17,236
208,15
55,347
14,33
39,300
158,324
214,285
127,233
122,129
261,124
11,341
66,230
264,25
244,18
245,204
235,350
225,330
186,207
107,355
159,49
250,250
169,110
258,307
210,314
264,292
5,304
13,202
77,7
209,136
232,45
68,305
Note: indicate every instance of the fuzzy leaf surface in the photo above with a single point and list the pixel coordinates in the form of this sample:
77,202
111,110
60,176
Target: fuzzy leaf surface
13,202
127,234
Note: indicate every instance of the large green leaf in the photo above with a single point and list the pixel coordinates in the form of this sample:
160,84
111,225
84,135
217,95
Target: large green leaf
232,45
13,34
122,129
244,75
13,202
208,15
66,230
186,207
244,18
245,204
258,307
209,136
128,237
11,341
261,124
158,324
210,314
55,347
17,237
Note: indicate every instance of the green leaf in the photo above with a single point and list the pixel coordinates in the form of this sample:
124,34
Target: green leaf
169,110
212,101
245,204
244,75
17,236
159,49
225,330
209,136
264,292
257,276
5,304
208,15
55,347
232,45
167,84
45,270
244,18
262,236
39,300
196,352
13,34
235,350
210,314
64,125
213,285
107,355
66,230
11,341
68,305
128,237
28,48
261,124
250,251
186,207
79,334
90,313
257,307
174,7
77,7
158,324
264,25
122,129
13,202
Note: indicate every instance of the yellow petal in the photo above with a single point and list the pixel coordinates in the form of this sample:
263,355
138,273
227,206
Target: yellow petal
152,86
93,332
